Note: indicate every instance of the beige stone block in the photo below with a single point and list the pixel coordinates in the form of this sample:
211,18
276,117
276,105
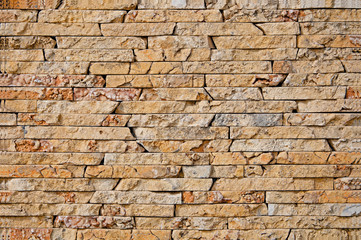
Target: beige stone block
137,210
339,105
107,4
45,29
178,42
135,197
23,55
102,42
223,93
223,197
181,133
171,4
168,120
137,29
85,107
8,119
221,210
227,67
254,55
319,66
47,67
330,15
217,29
262,184
255,42
330,28
282,28
84,16
201,223
14,15
48,209
31,42
229,234
86,55
106,94
322,41
166,185
93,222
174,94
261,120
78,132
279,145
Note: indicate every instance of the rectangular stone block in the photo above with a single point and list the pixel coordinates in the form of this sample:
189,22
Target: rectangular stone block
78,132
178,42
13,15
85,107
23,55
135,197
227,67
106,94
137,29
108,4
221,210
211,197
332,66
201,223
254,42
71,55
261,120
282,28
83,16
254,55
7,119
20,93
168,120
46,29
47,67
102,42
171,4
217,29
164,185
339,105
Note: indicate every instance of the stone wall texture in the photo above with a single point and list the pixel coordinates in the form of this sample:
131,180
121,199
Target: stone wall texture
180,119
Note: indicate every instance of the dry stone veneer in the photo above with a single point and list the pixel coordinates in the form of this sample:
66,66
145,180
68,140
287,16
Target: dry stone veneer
180,119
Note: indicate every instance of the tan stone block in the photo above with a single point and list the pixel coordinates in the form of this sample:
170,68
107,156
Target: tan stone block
330,15
102,42
229,234
194,16
318,66
253,54
138,210
23,55
228,158
332,28
109,68
77,146
158,81
37,93
201,223
85,107
352,66
347,184
47,67
146,16
12,15
261,184
78,132
325,196
307,79
346,145
217,29
168,4
327,54
51,158
260,15
132,171
31,42
261,120
136,197
186,146
85,55
282,28
255,42
174,94
23,80
201,54
61,185
178,42
344,158
41,171
348,79
93,222
84,16
109,234
108,4
72,119
221,210
223,197
322,41
168,184
304,222
339,105
303,158
48,209
305,171
331,234
294,132
167,120
222,93
11,132
106,94
181,133
280,145
146,55
14,233
227,67
25,222
45,29
270,106
157,159
137,29
8,119
318,4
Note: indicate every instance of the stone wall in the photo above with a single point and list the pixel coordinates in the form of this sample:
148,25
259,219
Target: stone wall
180,119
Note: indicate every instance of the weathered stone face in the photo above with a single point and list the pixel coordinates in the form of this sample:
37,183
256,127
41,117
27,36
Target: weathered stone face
180,119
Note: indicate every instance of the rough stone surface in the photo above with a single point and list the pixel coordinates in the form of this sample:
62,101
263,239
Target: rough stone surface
180,119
